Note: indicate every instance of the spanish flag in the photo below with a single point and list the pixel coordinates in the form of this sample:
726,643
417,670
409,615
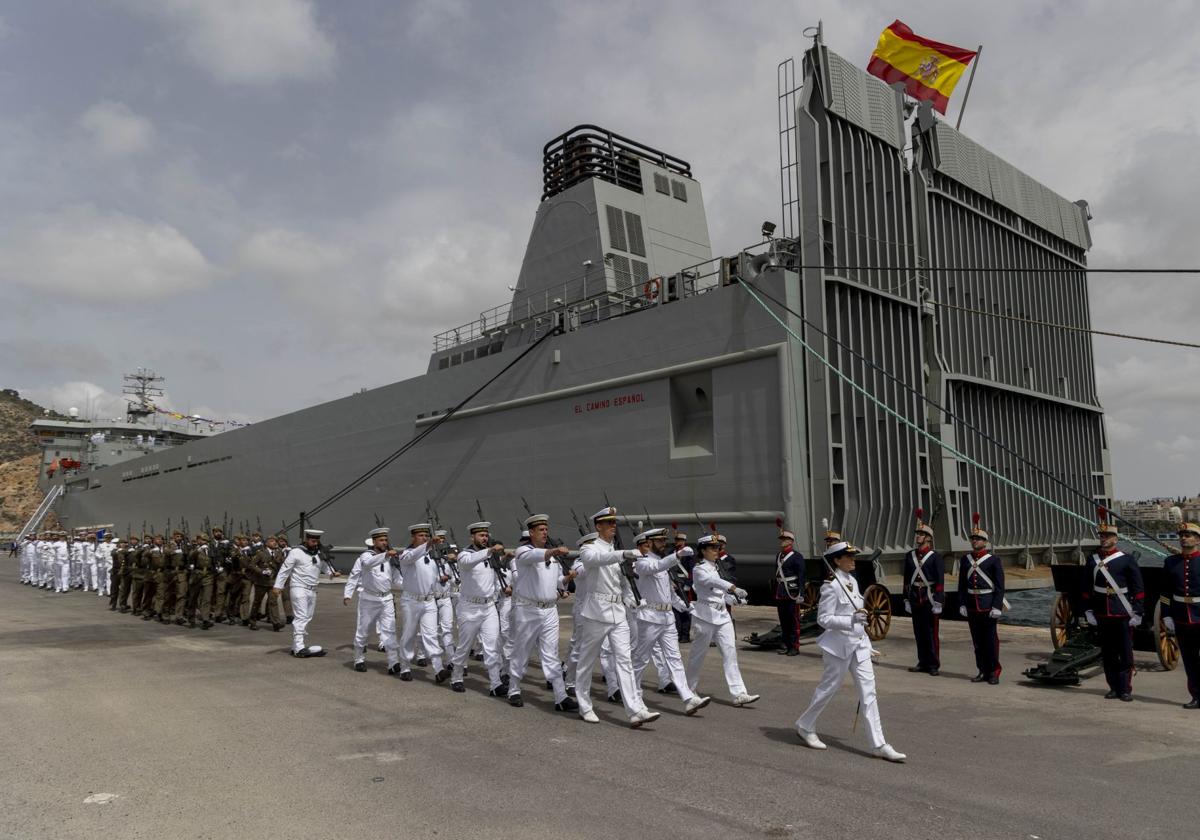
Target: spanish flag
929,69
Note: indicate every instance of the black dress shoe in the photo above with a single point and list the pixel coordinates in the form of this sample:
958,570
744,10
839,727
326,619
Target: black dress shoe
276,627
978,678
1127,698
515,700
993,681
441,676
498,691
206,625
933,672
360,667
793,652
394,669
615,697
252,625
669,688
422,661
566,705
504,679
570,691
916,669
458,687
549,685
1112,695
406,676
684,641
781,652
1193,704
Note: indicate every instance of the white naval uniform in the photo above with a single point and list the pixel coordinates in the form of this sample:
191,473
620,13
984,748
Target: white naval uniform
28,555
304,571
504,604
477,615
61,553
603,616
711,622
75,552
444,604
656,619
844,646
104,553
572,664
418,608
89,567
42,564
373,579
535,619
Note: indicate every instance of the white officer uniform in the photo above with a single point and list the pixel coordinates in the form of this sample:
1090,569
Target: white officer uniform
711,622
535,616
45,561
603,616
75,560
444,596
477,615
301,570
417,605
90,581
28,560
844,646
504,605
656,619
373,577
62,564
572,663
104,553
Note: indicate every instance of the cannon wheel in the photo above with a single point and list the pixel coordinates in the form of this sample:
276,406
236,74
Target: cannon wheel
877,601
1164,643
812,595
1060,620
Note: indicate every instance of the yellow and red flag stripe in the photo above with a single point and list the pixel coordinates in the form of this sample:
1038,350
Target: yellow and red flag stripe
929,69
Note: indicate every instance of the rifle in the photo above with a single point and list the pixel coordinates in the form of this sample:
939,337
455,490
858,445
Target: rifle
626,565
578,522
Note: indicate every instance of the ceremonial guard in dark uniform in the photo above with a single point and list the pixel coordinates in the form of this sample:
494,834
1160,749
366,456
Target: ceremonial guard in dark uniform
980,600
924,596
789,591
1114,601
683,618
1181,603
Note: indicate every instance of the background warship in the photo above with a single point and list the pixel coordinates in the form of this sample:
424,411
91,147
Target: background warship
631,364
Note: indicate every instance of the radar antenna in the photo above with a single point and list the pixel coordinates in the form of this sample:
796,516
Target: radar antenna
142,386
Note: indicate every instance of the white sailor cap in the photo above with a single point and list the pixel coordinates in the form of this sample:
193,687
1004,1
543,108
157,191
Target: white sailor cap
586,538
525,534
440,532
839,548
476,527
605,514
652,534
708,540
379,532
537,519
313,532
419,527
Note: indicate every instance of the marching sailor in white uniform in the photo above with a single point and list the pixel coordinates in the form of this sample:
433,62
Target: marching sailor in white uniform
301,570
373,578
478,620
603,616
421,578
656,616
711,621
844,646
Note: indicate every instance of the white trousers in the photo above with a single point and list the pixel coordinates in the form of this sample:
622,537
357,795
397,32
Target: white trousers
25,575
373,610
445,621
477,622
532,625
103,575
702,634
304,603
591,636
504,613
661,640
831,681
46,573
89,576
62,577
420,618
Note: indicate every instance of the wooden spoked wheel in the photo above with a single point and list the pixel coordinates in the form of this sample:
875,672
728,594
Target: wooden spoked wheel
812,595
1060,621
877,601
1164,642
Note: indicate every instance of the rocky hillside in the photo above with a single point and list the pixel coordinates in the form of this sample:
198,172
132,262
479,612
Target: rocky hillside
19,495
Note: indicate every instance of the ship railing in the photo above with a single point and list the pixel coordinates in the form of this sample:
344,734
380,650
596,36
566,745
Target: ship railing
598,296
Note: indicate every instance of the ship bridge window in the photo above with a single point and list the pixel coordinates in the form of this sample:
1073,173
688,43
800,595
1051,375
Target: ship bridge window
662,184
679,190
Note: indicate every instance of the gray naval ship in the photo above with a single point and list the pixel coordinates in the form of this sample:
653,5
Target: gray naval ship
633,365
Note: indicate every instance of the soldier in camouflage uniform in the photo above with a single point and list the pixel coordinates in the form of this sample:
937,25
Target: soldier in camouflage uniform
139,577
235,595
218,552
154,559
200,588
177,561
261,571
122,571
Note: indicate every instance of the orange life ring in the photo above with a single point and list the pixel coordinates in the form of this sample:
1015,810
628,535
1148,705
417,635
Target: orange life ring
652,288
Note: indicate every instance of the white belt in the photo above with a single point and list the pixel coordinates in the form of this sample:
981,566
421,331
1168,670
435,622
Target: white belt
1186,599
1108,590
656,607
981,591
412,597
535,603
312,587
609,599
484,601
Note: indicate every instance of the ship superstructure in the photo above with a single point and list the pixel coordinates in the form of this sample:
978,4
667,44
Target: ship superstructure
659,383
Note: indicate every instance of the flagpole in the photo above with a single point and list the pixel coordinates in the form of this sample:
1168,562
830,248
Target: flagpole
970,79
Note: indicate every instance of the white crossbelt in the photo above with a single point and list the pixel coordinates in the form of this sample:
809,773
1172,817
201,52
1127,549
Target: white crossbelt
987,580
918,562
1102,567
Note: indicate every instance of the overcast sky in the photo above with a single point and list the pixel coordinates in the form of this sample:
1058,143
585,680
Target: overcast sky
234,192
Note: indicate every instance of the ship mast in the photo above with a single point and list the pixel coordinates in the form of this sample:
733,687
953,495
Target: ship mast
141,385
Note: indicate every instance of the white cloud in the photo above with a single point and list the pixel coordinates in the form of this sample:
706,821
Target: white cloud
290,256
241,43
92,400
90,254
116,130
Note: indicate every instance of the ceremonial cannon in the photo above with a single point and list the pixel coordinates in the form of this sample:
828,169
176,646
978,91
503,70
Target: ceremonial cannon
877,601
1076,643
